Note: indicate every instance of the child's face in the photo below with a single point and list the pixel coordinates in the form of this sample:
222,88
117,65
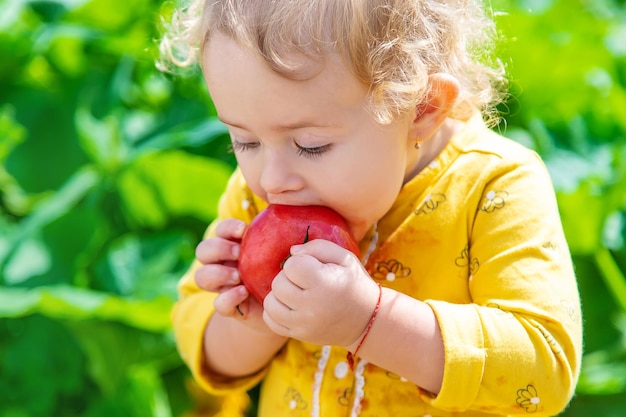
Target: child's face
309,142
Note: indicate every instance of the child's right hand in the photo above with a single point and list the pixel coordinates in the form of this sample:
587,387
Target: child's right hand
219,274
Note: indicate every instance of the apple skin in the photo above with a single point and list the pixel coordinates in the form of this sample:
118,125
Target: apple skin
268,239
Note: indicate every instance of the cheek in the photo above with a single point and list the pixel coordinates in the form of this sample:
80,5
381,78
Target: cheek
251,173
381,180
367,192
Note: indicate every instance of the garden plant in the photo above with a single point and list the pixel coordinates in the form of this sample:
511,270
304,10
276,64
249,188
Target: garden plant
111,169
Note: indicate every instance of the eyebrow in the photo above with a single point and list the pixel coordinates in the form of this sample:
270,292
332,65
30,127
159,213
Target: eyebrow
283,127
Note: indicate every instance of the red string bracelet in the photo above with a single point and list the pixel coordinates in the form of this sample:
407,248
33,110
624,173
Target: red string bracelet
351,355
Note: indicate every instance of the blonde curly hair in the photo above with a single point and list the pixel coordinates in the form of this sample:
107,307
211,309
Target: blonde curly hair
392,46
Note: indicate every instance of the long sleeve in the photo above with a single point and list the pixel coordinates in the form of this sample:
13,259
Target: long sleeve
515,347
194,307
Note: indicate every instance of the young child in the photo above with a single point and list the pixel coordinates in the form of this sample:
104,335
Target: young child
464,302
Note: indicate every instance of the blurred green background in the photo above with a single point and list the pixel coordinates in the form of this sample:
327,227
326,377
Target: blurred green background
111,171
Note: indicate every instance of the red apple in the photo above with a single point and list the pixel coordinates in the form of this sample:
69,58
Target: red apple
266,243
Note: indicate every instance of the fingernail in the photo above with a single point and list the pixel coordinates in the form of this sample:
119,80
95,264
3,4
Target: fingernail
235,251
295,249
240,228
234,277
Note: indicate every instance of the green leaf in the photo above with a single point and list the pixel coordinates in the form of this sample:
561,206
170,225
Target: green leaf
31,257
11,132
552,59
75,240
52,208
11,12
114,349
18,302
38,355
186,135
603,379
145,267
614,278
584,237
100,139
110,15
589,190
170,184
71,303
603,371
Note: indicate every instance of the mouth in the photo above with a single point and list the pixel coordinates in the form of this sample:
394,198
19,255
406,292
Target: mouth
290,201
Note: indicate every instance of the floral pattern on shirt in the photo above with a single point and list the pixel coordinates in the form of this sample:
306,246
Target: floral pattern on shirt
464,260
494,200
430,203
345,398
390,270
528,399
295,400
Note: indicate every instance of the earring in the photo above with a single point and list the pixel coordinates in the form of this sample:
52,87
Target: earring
417,144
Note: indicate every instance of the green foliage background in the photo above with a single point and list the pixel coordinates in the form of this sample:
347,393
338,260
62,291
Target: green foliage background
111,171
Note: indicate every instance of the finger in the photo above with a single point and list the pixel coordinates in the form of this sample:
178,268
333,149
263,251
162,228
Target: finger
217,250
308,268
226,303
325,251
274,326
231,229
275,314
214,277
286,291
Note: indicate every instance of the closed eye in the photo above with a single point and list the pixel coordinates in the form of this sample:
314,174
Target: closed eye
244,146
313,152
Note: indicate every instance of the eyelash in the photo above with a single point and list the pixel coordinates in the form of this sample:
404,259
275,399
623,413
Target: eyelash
314,152
237,146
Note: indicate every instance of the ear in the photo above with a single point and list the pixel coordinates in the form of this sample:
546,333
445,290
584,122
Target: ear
430,115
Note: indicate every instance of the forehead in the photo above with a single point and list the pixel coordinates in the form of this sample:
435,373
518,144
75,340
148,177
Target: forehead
232,71
290,62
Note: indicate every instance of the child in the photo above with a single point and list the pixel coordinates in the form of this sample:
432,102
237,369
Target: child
464,302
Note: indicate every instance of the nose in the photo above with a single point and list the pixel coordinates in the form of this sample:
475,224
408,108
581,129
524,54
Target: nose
278,174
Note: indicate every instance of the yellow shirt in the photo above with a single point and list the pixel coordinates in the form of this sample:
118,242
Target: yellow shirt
477,236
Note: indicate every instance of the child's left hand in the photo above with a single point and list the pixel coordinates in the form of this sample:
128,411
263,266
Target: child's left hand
322,296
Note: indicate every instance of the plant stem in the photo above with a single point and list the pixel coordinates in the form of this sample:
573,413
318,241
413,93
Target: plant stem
612,275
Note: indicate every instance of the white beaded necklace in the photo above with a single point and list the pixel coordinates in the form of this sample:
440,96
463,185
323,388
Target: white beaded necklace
359,379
